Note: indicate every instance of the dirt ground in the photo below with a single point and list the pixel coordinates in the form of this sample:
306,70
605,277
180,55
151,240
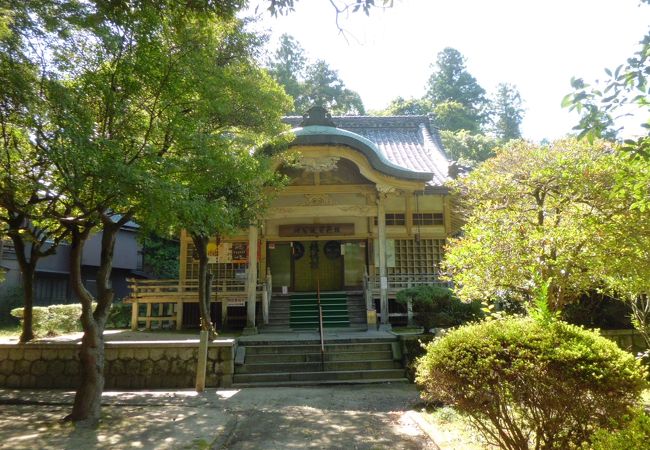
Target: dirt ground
333,417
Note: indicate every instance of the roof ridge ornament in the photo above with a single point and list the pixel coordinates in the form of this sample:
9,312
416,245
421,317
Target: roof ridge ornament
317,115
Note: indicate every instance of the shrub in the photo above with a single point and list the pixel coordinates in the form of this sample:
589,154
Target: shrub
525,382
120,315
438,307
635,434
10,298
54,319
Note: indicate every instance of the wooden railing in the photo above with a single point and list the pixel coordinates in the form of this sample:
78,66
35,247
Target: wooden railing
396,283
166,297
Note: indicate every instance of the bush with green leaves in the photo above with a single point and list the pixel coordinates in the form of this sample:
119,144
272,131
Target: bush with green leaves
120,315
533,382
634,434
10,298
53,320
437,306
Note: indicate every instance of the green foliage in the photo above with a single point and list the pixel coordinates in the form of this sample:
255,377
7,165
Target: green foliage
635,434
161,257
468,148
120,315
438,307
506,113
540,310
413,348
549,212
458,98
310,84
407,107
54,320
532,384
454,116
11,297
596,310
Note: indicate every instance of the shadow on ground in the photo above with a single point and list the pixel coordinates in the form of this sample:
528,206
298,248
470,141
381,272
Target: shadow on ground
349,417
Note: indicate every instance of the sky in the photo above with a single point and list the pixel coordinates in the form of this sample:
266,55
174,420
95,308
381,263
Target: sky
536,45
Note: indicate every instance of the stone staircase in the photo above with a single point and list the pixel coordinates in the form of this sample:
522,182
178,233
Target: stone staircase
297,363
299,311
303,313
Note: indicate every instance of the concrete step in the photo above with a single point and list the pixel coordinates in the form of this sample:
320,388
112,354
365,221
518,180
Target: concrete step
330,366
305,348
315,357
318,376
320,382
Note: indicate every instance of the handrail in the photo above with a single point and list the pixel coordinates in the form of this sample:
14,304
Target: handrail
320,323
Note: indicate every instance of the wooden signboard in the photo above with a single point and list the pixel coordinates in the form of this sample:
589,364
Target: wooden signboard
317,229
239,252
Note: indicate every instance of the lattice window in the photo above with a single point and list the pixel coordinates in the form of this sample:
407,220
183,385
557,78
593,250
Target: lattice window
417,257
219,270
393,219
428,219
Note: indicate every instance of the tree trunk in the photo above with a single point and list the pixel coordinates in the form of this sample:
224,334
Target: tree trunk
201,245
87,402
28,272
28,278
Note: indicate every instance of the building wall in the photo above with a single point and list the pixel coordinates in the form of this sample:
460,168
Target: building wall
344,196
52,284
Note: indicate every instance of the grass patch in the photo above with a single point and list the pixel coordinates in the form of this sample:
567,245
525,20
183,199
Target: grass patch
10,331
453,431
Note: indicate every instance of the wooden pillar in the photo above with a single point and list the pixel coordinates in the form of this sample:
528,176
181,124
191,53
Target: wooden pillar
251,281
383,278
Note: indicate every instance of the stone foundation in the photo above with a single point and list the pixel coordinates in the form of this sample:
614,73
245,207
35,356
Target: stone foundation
129,365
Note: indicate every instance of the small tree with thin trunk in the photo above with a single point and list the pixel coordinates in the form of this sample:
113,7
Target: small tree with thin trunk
26,199
142,92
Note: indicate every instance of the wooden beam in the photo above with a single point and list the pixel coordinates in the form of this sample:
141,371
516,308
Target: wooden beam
282,212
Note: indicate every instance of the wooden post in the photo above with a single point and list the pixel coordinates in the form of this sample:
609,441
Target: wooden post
148,318
179,304
265,304
251,281
134,304
134,315
202,362
383,278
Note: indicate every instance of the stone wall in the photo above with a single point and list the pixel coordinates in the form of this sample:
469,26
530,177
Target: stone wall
630,340
129,365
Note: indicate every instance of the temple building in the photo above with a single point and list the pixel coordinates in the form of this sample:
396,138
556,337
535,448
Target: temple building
365,214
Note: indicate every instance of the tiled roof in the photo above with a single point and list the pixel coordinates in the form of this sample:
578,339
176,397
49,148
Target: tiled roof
410,142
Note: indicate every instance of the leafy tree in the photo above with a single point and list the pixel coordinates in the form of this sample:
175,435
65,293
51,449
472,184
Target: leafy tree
412,106
25,194
287,66
311,83
549,213
129,94
468,148
506,112
160,256
458,98
323,87
626,89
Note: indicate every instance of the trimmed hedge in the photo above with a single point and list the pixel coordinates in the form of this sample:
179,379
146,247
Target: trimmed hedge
529,383
438,307
53,320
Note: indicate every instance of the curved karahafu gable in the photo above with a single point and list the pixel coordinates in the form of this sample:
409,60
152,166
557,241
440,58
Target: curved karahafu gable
405,147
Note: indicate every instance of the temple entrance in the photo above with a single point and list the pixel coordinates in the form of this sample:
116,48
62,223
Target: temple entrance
300,266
